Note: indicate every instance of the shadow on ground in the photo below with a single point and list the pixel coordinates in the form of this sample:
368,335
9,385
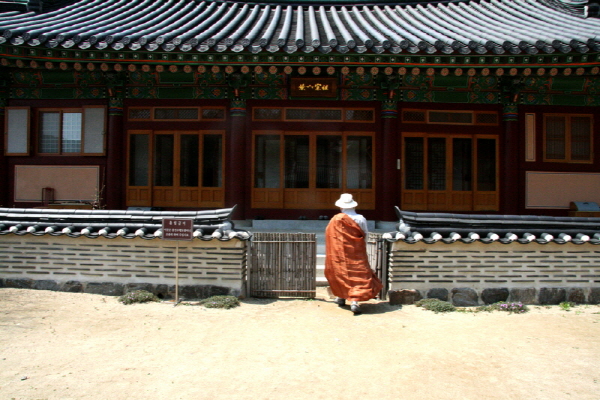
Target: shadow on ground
368,308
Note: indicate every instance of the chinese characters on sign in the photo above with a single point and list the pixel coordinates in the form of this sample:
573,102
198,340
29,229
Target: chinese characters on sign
177,228
317,87
314,87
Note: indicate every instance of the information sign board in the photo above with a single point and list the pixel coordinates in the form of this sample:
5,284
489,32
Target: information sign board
178,228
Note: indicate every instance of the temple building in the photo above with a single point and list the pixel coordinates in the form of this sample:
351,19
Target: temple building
278,107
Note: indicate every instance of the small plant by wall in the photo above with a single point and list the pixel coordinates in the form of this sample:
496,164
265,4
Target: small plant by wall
435,305
225,302
138,296
512,308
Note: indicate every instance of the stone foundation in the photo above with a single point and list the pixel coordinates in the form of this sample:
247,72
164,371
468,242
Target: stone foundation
466,297
117,289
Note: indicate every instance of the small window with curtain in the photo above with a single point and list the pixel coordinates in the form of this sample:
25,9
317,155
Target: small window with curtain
71,131
60,132
568,138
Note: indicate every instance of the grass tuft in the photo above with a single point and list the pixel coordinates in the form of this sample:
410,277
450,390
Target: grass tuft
138,296
566,305
435,305
225,302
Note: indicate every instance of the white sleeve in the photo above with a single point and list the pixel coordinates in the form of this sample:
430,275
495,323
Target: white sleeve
362,222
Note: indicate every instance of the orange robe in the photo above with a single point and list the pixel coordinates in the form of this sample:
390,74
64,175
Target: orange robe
346,263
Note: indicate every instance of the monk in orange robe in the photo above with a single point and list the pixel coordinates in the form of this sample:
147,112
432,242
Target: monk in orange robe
347,266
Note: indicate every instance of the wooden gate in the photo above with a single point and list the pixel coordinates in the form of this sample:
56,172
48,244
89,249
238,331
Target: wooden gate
377,250
283,265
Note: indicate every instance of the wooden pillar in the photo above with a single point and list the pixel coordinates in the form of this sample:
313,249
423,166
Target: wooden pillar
116,145
510,156
390,180
236,160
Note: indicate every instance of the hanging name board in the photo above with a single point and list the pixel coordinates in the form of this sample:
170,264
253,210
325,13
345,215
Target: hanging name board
314,87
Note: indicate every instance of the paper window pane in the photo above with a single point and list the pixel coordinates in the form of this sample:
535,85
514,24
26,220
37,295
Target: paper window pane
49,132
94,128
71,133
17,130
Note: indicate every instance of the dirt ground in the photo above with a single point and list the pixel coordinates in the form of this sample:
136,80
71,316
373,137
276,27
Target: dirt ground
82,346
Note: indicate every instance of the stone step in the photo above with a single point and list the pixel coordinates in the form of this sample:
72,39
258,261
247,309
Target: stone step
320,274
322,281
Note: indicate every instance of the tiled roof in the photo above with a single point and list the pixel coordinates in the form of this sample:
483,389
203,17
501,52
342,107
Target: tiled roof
208,225
434,227
478,27
14,4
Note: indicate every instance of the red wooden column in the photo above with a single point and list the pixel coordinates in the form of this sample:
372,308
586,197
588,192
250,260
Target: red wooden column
389,195
510,156
116,145
237,169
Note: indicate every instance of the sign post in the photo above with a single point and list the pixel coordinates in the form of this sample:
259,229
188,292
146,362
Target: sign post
177,229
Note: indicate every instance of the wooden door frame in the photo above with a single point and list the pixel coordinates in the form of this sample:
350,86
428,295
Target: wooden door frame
425,192
325,197
214,195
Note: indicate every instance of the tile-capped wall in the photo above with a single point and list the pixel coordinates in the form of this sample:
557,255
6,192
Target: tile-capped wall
480,266
62,259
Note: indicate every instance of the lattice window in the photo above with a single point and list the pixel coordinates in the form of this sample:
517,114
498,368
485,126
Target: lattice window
50,128
267,114
176,113
360,115
71,131
413,116
307,114
140,113
213,113
486,119
415,167
568,138
449,117
450,172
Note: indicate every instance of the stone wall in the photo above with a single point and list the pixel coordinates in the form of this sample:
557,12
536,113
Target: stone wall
114,266
477,273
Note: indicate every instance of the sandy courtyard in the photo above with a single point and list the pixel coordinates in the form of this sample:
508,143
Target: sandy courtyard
81,346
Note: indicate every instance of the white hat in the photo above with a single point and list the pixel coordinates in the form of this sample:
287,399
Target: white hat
346,201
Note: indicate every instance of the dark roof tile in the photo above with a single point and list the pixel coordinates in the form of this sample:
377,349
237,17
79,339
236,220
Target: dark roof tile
209,224
486,26
447,227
